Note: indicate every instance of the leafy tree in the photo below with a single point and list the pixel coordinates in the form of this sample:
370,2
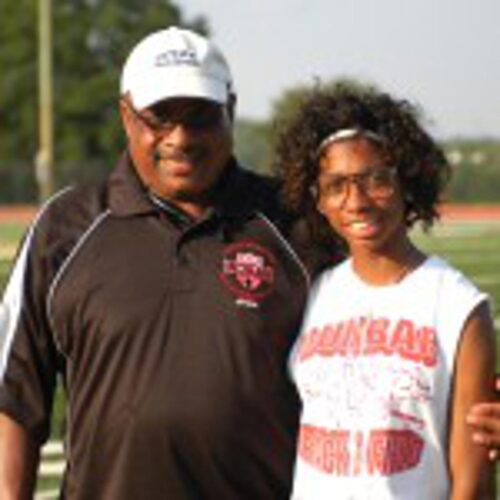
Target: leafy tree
255,140
91,41
476,170
252,144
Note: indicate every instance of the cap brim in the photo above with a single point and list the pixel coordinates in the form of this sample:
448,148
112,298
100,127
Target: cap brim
187,85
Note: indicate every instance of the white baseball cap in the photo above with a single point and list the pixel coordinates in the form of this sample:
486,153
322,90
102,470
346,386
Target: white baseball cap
175,62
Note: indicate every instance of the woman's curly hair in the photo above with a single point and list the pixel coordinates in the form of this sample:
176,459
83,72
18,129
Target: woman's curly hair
421,164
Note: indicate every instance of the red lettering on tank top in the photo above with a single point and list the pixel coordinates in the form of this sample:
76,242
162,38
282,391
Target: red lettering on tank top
376,337
342,452
307,344
428,343
331,336
368,337
325,450
354,336
393,451
404,341
358,453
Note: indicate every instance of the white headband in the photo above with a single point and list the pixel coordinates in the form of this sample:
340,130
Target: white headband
347,133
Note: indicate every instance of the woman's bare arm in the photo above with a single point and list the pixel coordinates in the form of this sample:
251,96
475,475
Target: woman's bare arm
471,472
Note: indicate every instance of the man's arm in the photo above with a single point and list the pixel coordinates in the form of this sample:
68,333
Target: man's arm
18,461
471,473
484,418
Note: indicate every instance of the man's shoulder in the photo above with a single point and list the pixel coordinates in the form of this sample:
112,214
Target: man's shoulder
70,212
78,201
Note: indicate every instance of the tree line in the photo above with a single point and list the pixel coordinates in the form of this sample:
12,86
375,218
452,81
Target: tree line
91,40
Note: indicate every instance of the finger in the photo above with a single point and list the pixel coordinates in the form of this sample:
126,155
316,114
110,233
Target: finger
485,430
485,410
487,423
486,438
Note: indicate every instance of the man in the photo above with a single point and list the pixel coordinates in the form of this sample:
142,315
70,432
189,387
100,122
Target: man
167,300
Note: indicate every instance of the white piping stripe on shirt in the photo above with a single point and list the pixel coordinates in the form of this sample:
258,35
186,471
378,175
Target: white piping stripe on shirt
287,245
83,238
10,307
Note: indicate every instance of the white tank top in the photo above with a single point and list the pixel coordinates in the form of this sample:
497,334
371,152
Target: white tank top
373,366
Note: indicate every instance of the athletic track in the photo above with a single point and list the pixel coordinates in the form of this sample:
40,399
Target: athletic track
466,213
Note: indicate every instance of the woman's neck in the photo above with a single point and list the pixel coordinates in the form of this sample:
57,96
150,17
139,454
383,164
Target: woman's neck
384,267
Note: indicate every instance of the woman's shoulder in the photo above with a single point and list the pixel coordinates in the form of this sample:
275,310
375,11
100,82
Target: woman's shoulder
450,280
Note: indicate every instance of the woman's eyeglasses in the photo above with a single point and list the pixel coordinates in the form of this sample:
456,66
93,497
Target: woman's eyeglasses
377,183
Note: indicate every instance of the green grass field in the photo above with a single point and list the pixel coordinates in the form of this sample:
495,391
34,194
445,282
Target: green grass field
10,235
472,247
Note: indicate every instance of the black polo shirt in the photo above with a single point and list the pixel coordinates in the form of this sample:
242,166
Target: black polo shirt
172,339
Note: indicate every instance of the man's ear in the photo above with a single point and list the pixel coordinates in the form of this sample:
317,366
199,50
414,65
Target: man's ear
125,114
231,106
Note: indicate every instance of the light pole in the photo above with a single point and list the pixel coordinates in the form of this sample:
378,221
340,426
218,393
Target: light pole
45,156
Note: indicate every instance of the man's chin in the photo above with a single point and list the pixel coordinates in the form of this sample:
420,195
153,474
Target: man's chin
179,188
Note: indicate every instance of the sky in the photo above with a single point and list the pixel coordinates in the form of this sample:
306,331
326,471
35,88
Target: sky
442,55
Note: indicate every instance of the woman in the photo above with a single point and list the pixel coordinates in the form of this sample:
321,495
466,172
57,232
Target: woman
396,345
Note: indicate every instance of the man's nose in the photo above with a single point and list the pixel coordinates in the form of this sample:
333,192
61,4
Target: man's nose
177,135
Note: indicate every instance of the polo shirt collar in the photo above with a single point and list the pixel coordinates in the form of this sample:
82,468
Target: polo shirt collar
126,192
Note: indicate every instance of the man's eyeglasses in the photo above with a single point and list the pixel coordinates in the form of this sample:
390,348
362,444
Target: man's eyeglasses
196,116
377,183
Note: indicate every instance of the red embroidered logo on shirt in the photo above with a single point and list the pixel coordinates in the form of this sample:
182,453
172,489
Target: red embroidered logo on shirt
248,271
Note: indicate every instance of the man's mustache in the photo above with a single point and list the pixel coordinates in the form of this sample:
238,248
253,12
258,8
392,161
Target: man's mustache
178,155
